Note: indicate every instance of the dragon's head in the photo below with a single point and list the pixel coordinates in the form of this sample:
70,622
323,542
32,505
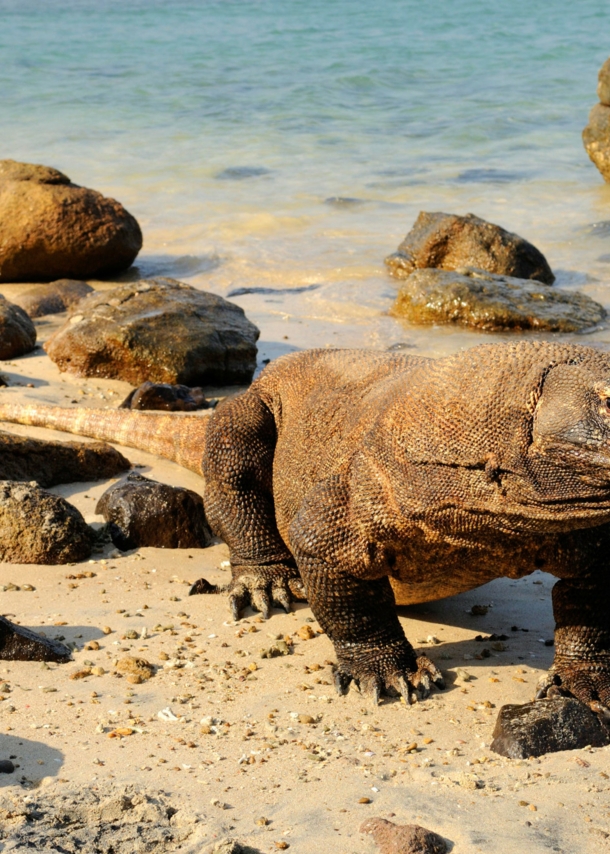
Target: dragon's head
571,420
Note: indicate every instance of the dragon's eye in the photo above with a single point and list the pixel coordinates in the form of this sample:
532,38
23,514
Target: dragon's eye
606,405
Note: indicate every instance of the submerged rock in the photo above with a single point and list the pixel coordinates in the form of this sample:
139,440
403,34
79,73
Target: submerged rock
20,644
53,228
449,241
142,512
39,527
17,332
171,398
474,298
50,463
159,330
546,726
52,298
403,839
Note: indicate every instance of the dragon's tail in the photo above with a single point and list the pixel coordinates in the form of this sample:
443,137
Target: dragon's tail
176,437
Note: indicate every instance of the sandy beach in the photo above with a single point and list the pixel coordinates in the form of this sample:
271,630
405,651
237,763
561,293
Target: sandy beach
262,749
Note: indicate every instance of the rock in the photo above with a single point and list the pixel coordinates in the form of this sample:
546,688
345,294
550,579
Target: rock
50,463
20,644
546,726
159,330
232,846
449,241
596,139
38,527
142,512
17,332
603,84
52,298
139,667
52,228
474,298
171,398
403,839
6,766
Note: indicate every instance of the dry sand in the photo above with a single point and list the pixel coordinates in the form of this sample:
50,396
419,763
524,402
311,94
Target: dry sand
223,743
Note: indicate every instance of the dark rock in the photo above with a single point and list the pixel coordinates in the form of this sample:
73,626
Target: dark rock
403,839
17,332
240,292
19,644
203,586
39,527
242,173
40,300
448,241
50,463
546,726
52,228
596,139
603,84
142,512
172,398
159,330
481,300
6,766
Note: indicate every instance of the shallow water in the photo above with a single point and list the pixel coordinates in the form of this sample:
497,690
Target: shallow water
267,144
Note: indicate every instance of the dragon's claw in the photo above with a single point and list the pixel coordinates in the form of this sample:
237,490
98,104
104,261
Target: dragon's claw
261,591
395,673
584,680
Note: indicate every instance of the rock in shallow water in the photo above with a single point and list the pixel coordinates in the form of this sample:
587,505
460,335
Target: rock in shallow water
50,463
20,644
546,726
596,139
403,839
17,332
142,512
40,300
474,298
166,397
53,228
39,527
448,241
160,330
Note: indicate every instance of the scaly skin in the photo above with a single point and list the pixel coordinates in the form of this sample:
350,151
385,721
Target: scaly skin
355,471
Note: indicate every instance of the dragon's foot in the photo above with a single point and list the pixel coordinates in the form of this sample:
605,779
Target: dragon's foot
263,588
588,681
393,669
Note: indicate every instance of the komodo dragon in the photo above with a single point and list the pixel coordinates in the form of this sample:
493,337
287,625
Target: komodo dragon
353,468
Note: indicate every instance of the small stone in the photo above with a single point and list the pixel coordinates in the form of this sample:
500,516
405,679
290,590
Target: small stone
306,719
6,766
92,645
479,610
546,726
282,845
81,674
364,801
261,822
277,649
107,630
306,633
403,839
135,667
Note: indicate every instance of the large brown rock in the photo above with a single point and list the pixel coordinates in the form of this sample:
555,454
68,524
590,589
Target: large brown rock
143,512
596,139
159,330
480,300
50,463
546,726
449,241
51,228
39,527
17,332
20,644
52,298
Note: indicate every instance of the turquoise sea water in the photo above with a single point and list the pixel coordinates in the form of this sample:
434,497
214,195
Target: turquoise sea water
235,131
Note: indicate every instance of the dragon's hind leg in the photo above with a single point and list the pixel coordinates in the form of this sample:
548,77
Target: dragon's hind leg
238,469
